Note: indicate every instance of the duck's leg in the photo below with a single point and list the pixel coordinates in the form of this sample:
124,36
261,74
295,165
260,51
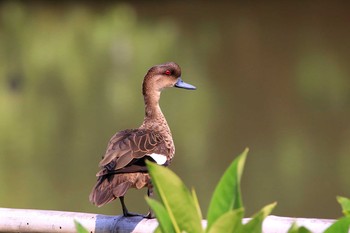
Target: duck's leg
126,213
149,215
150,194
125,210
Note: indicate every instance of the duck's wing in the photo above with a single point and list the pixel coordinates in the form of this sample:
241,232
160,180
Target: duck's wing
131,147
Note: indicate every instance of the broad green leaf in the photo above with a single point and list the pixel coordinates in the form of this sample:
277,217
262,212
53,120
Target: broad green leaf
345,205
163,218
227,194
340,226
255,224
176,199
229,222
295,229
79,227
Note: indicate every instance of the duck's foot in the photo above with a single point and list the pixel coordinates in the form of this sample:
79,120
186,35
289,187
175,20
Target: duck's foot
149,215
126,213
131,214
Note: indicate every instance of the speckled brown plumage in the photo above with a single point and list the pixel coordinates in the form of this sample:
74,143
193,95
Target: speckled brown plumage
123,165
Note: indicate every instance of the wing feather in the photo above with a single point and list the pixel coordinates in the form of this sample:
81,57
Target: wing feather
129,146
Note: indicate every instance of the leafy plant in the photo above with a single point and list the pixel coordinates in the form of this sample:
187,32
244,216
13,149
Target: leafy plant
342,225
178,209
79,227
295,229
345,205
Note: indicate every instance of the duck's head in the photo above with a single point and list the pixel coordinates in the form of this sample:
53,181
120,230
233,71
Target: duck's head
163,76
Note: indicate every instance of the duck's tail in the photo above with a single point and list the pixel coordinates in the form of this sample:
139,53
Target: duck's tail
107,189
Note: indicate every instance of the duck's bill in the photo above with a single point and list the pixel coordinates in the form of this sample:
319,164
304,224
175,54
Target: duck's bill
182,84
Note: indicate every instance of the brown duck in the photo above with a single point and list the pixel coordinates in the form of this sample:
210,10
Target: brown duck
123,165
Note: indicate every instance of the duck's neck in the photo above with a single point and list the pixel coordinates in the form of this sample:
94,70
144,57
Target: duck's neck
154,118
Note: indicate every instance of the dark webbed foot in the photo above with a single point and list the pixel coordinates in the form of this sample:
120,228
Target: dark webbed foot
131,214
149,215
126,213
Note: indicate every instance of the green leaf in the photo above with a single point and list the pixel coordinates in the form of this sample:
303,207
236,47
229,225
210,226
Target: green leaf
195,199
163,218
158,230
80,228
227,194
345,205
176,199
229,222
255,224
340,226
295,229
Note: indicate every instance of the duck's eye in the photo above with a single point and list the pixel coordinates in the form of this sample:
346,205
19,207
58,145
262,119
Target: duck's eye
167,72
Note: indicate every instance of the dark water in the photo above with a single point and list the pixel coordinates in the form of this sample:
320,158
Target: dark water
272,77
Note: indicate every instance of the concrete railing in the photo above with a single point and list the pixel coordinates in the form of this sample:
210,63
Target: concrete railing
26,220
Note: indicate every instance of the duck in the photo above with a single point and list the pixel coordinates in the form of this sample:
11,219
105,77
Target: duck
123,165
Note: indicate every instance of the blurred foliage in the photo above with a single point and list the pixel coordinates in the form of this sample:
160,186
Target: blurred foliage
67,85
70,77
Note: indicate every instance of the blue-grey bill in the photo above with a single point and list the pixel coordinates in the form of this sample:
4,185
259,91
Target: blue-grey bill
182,84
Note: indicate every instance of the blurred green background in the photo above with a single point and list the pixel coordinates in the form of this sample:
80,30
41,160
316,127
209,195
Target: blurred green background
270,76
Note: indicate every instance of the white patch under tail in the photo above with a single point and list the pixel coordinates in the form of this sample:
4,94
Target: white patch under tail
160,159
